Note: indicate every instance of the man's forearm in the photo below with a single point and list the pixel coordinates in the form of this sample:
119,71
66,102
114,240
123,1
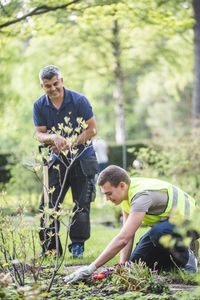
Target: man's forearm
44,137
85,136
110,251
126,251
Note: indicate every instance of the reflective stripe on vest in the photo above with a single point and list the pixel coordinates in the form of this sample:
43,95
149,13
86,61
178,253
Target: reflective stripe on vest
183,198
178,199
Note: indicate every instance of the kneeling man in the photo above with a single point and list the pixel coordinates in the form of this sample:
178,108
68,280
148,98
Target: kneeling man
151,202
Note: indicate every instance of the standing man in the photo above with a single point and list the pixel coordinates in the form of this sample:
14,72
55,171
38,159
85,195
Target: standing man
49,111
144,201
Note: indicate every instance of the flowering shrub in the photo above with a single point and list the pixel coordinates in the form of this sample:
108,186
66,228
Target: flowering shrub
138,277
18,237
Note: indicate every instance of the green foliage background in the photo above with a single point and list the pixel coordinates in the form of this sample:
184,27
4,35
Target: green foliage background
156,56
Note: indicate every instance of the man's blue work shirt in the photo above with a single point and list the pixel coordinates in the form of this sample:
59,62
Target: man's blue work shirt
74,106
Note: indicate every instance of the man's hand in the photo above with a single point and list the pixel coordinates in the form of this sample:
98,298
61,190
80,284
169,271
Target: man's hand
81,273
59,144
53,148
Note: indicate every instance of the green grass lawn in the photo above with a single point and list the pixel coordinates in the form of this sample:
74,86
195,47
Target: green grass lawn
104,226
101,236
102,213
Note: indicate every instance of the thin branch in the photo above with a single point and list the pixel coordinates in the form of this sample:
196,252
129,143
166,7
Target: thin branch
38,11
57,267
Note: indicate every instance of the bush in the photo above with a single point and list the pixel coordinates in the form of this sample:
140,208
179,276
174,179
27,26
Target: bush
115,154
177,161
138,277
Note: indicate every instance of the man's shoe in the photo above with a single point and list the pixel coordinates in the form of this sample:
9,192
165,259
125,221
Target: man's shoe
192,263
77,251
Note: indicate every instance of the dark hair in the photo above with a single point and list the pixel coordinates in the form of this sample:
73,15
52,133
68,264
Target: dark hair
114,175
49,72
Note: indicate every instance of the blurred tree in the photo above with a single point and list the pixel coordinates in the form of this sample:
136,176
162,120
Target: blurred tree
118,94
153,39
144,48
196,88
13,12
134,39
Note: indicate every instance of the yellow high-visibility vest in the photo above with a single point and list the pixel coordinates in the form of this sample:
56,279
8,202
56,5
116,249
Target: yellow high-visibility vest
178,199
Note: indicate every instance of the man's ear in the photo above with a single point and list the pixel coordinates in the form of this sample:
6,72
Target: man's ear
122,184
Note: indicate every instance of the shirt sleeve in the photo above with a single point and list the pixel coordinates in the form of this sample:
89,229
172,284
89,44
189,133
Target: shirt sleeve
85,109
141,202
38,118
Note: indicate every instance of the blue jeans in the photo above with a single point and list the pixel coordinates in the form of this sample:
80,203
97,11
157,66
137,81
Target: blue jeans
149,250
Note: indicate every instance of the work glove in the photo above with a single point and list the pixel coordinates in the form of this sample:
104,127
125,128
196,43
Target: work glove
81,273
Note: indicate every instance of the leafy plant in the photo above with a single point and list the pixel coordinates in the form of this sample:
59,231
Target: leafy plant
70,134
134,277
177,275
18,237
188,295
175,160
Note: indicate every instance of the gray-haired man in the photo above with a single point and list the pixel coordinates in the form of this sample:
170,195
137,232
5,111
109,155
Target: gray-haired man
49,111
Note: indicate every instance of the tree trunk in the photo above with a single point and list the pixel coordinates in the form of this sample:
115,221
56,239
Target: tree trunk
196,88
118,95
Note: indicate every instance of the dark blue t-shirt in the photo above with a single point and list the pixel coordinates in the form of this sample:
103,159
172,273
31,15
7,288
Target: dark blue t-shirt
74,106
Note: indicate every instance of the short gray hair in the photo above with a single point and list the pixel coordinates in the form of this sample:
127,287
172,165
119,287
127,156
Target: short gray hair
114,175
49,72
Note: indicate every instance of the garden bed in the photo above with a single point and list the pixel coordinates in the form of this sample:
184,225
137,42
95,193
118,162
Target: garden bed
106,288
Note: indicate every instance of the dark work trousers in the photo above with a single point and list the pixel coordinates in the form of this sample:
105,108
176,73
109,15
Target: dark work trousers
80,178
149,249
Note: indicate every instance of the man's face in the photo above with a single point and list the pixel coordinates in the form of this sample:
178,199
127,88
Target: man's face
53,87
115,194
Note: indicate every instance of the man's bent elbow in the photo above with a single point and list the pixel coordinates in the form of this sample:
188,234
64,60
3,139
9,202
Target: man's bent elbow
38,137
